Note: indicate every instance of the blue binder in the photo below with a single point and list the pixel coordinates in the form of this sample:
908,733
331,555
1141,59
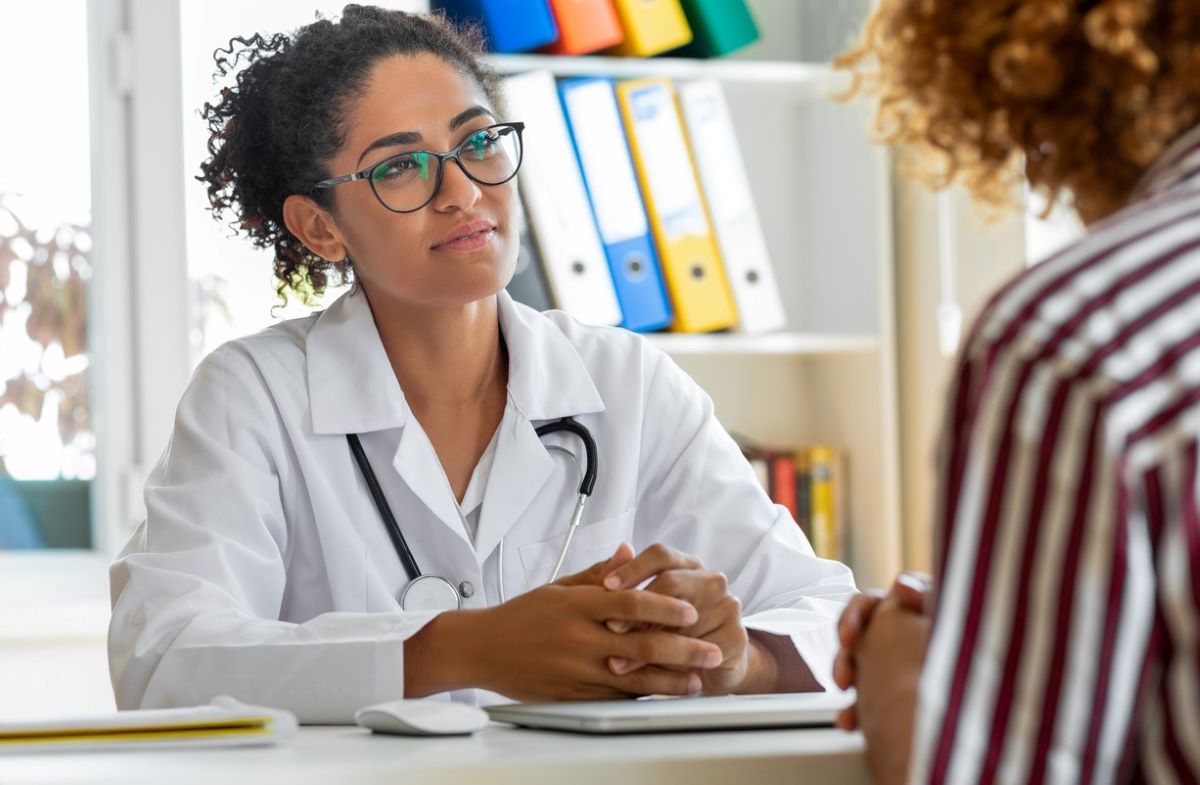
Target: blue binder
510,25
594,119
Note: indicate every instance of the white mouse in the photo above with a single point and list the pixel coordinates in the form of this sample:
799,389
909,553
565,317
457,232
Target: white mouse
422,718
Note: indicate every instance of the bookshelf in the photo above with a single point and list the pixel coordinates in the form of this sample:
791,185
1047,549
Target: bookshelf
824,197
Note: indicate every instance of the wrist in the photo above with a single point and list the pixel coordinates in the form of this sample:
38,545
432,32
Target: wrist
762,671
439,658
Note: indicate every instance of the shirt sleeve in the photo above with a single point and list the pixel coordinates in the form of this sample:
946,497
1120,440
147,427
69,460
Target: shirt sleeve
1042,557
698,494
198,590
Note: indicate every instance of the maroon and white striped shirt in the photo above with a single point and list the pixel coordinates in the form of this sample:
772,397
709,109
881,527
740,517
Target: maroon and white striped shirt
1065,645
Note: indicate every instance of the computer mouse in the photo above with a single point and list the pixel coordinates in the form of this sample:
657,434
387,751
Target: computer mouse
422,718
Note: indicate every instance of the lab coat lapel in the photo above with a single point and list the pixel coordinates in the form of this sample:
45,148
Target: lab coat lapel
519,473
418,465
547,380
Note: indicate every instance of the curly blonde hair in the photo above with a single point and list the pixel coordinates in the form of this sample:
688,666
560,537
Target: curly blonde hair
1078,96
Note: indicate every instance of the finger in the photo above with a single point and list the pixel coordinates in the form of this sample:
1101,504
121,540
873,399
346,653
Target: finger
594,575
912,590
725,614
844,672
847,718
702,588
641,607
647,564
855,617
651,680
666,649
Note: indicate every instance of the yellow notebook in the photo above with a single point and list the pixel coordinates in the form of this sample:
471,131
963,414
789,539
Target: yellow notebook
651,27
225,722
687,247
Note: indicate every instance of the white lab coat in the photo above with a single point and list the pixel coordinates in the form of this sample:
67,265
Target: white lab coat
263,570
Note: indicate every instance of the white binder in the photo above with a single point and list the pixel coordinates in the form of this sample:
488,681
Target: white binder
718,160
560,215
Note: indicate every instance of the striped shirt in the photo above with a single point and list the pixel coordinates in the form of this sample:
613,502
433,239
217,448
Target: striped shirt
1065,646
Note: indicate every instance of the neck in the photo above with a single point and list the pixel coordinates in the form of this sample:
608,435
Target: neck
443,357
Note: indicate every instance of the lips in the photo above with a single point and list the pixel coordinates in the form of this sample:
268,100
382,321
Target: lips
466,230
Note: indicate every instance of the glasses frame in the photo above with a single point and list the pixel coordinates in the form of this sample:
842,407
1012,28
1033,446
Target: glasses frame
442,158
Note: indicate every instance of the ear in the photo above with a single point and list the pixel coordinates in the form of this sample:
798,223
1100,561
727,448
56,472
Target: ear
314,226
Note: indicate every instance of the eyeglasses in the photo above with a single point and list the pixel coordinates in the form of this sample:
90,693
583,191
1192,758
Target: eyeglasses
407,182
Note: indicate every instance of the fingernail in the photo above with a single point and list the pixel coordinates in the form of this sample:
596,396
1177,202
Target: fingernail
612,582
618,626
690,616
619,664
693,684
712,659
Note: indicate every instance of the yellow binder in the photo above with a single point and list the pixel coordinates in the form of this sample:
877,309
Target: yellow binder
687,248
651,27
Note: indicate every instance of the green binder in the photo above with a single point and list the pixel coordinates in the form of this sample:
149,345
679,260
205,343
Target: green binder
718,27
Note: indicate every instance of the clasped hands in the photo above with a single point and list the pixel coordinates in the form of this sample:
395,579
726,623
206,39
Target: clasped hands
595,634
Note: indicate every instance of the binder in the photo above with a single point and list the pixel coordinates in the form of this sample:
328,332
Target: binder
585,26
651,27
528,284
510,25
594,120
731,207
718,27
687,250
560,217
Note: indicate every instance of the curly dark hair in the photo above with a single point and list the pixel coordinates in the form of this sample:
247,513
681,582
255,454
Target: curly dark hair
275,128
1085,94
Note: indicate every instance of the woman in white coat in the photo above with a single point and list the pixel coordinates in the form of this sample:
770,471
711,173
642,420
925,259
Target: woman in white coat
264,569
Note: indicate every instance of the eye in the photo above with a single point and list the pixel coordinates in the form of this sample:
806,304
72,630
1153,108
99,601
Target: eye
483,142
402,166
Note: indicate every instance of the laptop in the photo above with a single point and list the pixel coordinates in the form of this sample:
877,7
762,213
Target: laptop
653,715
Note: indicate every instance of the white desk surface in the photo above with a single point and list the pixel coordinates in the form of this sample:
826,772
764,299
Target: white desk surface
499,755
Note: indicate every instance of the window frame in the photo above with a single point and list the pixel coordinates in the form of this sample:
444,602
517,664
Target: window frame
140,280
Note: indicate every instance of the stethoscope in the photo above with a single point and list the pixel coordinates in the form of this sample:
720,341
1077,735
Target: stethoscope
434,592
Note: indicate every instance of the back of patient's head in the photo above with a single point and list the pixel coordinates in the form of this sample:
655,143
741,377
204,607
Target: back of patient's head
1079,96
274,129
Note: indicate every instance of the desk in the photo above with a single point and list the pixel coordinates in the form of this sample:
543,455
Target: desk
499,755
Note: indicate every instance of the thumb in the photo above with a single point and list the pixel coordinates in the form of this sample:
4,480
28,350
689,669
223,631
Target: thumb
593,575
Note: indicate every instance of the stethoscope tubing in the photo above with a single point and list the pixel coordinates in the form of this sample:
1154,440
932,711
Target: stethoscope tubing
409,562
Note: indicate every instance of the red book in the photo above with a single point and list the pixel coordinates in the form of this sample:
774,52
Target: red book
783,482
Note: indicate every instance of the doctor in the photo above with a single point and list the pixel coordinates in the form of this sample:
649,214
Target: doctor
374,147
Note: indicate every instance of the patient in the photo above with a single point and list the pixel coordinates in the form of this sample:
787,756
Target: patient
1060,641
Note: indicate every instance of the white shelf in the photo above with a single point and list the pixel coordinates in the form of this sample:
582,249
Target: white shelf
796,344
746,71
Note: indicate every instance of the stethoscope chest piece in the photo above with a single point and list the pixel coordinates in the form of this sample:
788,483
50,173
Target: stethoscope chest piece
430,593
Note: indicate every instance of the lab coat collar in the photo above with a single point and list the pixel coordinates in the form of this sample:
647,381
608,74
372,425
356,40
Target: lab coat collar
547,378
351,385
352,388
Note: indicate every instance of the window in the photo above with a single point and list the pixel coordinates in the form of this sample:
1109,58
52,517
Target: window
47,445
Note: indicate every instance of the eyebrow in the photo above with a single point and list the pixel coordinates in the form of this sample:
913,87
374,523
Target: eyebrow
412,137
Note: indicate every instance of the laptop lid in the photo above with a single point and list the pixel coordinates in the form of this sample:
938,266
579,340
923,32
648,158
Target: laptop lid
727,712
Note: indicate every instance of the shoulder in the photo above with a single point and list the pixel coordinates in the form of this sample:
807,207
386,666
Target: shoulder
252,368
1075,313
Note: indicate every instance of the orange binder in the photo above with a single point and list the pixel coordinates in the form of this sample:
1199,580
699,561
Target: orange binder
651,27
585,26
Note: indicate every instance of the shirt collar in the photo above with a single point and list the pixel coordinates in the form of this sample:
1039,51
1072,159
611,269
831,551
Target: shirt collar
352,388
1179,164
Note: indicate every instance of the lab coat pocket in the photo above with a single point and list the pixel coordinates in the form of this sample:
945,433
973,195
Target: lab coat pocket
592,543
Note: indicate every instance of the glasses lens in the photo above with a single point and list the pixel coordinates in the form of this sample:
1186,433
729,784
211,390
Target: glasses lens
405,182
491,155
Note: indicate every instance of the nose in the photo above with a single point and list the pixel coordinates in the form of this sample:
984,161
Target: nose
457,190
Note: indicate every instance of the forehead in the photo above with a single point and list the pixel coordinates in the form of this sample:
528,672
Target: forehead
410,93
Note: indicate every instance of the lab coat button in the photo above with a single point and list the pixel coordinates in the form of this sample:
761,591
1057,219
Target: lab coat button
466,589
